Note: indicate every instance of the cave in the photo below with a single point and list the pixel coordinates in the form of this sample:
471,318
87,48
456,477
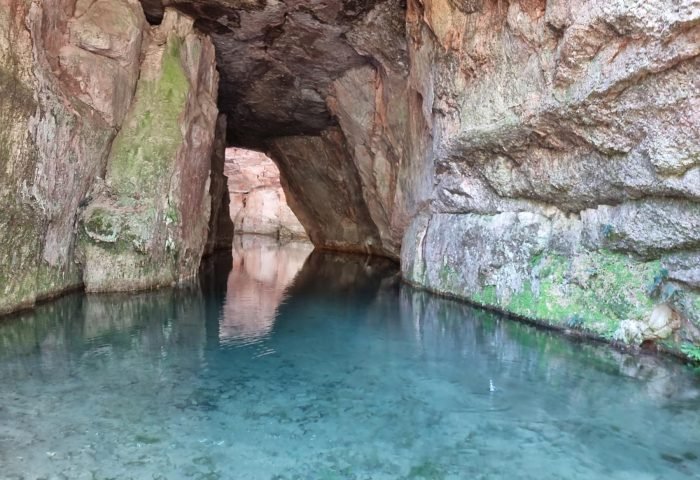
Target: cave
513,154
305,83
480,181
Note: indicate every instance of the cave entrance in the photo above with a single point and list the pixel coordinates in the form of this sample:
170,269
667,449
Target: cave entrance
258,204
262,244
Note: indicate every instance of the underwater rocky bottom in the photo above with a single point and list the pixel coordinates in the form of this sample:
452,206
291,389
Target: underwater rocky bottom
286,364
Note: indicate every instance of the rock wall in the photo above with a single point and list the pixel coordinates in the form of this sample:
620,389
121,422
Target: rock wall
356,184
106,136
147,225
258,203
67,75
220,224
567,178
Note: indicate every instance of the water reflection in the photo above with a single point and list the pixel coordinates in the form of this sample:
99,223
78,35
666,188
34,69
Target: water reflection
262,271
65,334
363,377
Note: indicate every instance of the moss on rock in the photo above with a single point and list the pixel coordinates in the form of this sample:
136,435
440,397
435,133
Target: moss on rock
600,288
139,227
21,231
142,154
102,225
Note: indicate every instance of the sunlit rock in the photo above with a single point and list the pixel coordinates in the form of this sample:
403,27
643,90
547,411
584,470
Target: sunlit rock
258,202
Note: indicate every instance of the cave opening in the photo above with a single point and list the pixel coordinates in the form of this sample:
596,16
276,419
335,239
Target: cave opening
144,97
257,202
321,88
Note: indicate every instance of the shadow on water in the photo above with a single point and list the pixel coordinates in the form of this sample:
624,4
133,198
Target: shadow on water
287,363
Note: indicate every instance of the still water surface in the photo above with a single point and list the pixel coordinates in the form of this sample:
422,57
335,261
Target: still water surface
299,365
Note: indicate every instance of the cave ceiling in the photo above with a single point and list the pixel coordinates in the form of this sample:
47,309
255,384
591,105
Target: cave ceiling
276,60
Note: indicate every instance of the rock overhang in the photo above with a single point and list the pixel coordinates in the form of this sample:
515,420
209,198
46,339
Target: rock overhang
277,60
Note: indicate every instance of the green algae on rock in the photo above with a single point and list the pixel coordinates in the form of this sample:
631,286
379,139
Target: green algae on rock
136,229
535,267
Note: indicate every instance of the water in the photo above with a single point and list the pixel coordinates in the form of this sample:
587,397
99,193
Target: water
326,367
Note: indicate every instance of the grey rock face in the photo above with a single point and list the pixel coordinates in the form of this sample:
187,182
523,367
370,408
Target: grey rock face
566,145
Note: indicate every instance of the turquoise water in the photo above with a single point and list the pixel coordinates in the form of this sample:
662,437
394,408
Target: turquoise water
326,367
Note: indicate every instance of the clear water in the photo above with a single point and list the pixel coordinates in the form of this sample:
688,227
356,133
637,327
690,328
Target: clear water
338,372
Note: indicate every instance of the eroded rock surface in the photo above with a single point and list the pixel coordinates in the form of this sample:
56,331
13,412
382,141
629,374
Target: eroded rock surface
566,173
98,170
258,203
538,157
67,76
148,223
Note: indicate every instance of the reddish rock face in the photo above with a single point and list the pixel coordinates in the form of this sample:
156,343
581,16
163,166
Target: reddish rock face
67,76
263,270
258,203
147,225
106,137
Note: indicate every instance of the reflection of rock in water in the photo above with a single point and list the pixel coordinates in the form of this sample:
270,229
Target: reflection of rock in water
262,270
343,277
442,324
106,328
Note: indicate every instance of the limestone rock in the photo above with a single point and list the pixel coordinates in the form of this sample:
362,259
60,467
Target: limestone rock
660,325
524,264
684,267
583,115
646,227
